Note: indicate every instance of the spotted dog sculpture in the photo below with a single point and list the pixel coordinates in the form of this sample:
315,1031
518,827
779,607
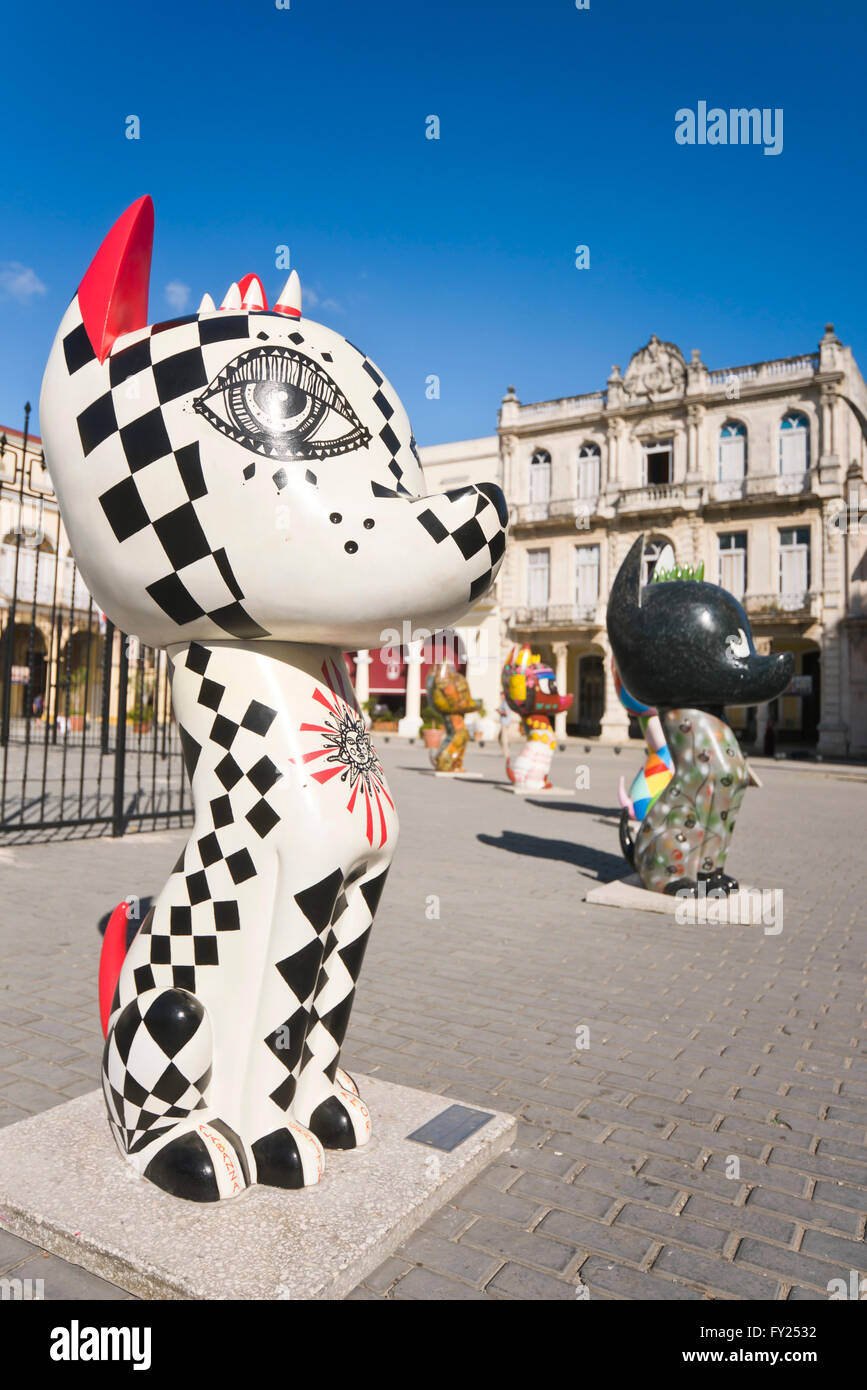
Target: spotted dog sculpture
685,648
530,689
448,692
241,486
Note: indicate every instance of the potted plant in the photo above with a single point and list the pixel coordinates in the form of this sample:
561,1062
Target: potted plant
381,718
77,687
432,727
141,717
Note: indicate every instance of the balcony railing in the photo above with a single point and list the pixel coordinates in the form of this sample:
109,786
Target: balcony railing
565,408
798,604
558,615
556,509
635,499
49,567
760,372
760,485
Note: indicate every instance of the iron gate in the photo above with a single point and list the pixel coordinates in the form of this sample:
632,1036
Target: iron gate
88,742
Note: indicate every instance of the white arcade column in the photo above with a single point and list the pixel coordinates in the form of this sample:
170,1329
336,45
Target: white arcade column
410,725
362,678
561,656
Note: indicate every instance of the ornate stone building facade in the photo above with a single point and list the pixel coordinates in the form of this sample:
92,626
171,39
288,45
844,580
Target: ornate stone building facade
45,610
756,470
58,663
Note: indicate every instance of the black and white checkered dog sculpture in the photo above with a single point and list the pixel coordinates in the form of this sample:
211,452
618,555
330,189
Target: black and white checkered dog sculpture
241,486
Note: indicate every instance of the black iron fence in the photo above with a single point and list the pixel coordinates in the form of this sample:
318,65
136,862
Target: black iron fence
88,743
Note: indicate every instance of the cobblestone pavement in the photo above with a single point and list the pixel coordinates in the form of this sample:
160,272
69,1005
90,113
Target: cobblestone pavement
708,1142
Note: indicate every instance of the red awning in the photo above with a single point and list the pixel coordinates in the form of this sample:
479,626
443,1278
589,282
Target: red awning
387,669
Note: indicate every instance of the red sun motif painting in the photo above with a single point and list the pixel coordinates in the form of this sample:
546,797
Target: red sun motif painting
347,747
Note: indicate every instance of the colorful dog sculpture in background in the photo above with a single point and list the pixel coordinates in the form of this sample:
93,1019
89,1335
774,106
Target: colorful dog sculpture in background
530,689
241,486
448,692
684,648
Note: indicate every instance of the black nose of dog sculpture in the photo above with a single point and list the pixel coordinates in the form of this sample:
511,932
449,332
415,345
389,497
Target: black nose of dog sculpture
685,647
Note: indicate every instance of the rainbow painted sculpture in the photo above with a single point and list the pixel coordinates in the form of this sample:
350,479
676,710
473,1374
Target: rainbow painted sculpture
658,768
683,648
448,692
241,486
530,689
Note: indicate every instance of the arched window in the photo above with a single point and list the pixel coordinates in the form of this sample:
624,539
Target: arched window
653,549
794,443
540,476
588,470
732,451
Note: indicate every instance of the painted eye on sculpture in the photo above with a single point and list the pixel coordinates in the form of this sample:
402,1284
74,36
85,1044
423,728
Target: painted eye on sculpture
544,684
283,405
738,644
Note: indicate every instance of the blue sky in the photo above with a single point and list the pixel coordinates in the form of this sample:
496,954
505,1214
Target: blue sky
262,127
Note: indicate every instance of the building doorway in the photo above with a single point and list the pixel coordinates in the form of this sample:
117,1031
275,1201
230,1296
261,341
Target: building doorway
591,696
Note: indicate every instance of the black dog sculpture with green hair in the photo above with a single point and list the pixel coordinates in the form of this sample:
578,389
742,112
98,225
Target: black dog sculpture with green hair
685,647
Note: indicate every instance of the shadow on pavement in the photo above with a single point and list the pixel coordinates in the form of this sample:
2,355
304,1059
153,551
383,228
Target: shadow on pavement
605,866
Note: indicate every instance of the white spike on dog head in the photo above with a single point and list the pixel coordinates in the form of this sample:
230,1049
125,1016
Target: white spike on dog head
233,297
289,301
207,305
254,297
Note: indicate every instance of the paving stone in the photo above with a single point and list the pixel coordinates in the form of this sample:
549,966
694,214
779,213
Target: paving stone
503,1206
852,1253
510,1242
792,1265
63,1281
27,1095
426,1286
546,1160
594,1238
13,1250
664,1226
805,1209
686,1177
840,1194
600,1274
840,1169
388,1273
750,1218
449,1222
582,1201
717,1276
457,1260
757,1174
519,1281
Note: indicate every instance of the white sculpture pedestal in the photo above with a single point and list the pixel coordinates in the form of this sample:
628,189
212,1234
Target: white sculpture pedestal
748,907
64,1186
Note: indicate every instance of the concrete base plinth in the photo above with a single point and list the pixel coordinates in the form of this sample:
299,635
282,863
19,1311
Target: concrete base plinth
745,907
64,1186
458,776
